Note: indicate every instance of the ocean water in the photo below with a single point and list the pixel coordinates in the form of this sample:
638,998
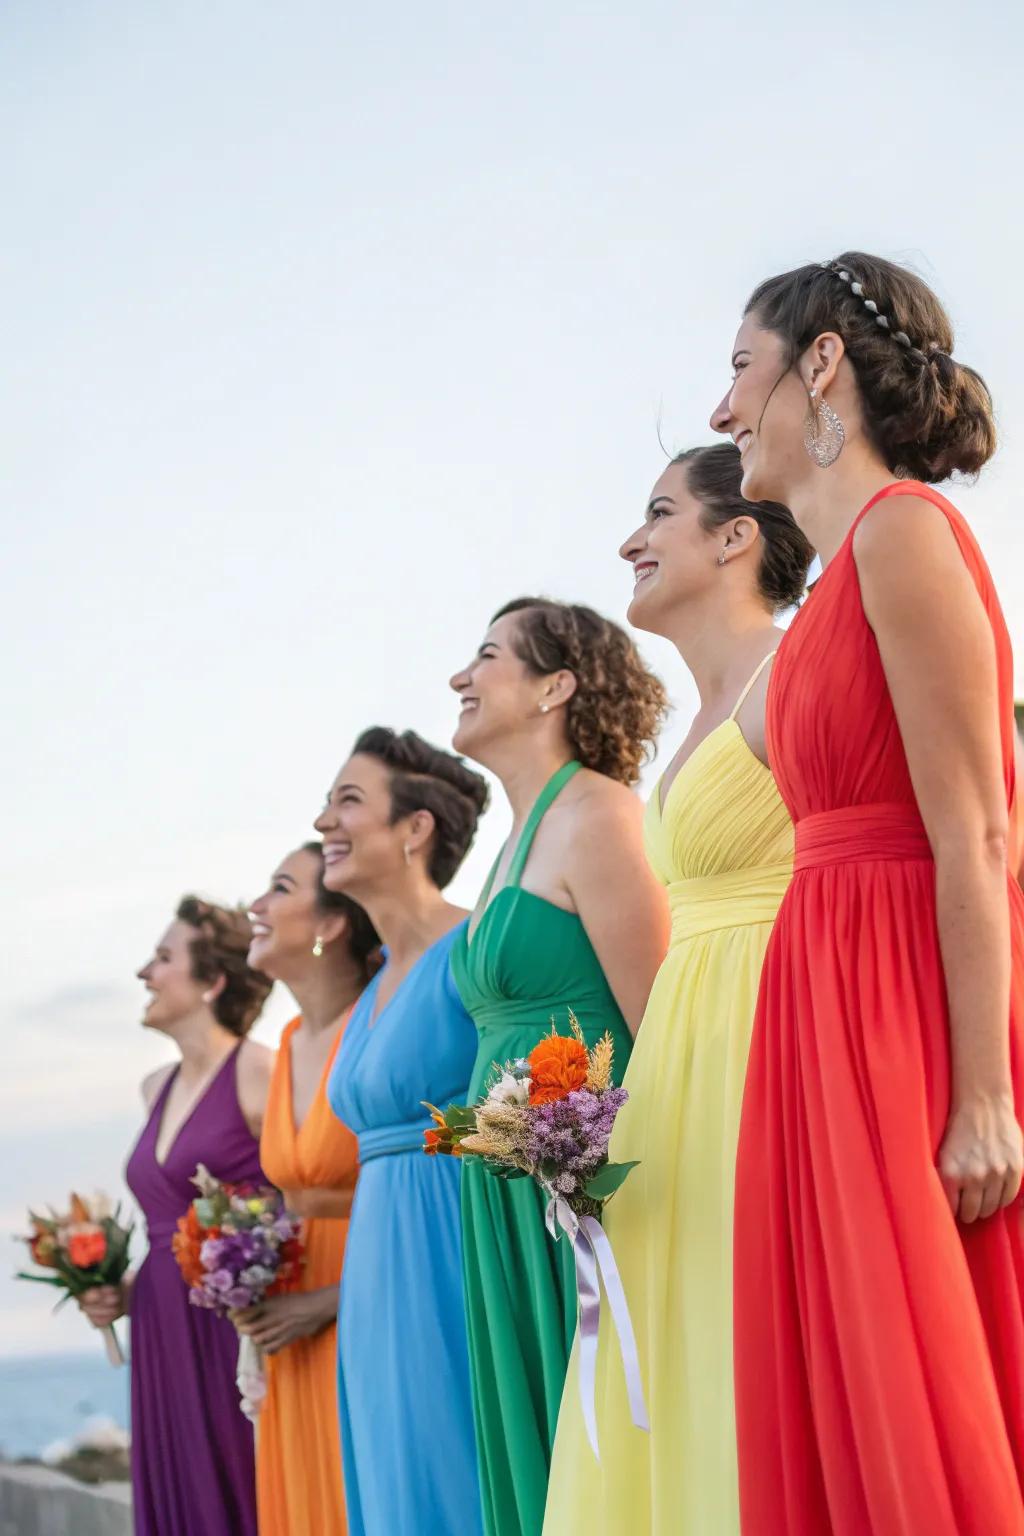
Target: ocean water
50,1397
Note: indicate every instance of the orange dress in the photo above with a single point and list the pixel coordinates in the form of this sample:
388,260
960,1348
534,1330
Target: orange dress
298,1456
879,1344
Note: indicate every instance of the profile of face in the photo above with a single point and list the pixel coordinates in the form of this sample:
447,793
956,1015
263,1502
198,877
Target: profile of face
286,921
174,993
363,848
674,558
498,694
764,413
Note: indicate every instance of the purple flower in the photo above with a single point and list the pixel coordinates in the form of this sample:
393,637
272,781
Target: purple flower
219,1280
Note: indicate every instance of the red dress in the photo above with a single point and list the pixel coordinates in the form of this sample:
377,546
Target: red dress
879,1344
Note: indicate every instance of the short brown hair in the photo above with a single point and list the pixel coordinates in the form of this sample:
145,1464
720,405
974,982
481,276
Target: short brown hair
220,947
363,939
713,477
928,415
615,714
425,778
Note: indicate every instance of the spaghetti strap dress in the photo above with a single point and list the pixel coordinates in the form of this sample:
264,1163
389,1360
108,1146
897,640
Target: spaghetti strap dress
192,1447
527,963
403,1368
721,841
879,1343
298,1455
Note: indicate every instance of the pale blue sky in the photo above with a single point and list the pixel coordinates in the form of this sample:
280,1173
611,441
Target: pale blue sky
326,329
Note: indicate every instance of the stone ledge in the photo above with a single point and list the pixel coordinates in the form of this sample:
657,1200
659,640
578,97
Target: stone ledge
37,1502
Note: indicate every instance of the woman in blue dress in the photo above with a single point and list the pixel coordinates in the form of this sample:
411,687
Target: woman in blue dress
398,822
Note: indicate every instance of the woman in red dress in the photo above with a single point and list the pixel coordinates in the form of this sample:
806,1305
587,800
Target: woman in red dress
879,1253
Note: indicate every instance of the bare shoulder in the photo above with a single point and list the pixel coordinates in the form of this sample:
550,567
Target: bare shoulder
892,523
153,1082
598,795
255,1063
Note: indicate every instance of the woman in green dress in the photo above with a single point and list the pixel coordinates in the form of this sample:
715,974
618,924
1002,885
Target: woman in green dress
559,706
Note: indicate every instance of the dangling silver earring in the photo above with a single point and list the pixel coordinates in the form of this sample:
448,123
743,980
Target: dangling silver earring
824,433
318,946
721,558
408,855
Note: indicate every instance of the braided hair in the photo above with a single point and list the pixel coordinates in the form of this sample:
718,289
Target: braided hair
614,716
928,415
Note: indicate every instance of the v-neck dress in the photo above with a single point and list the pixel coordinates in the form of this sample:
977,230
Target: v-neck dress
298,1457
403,1368
528,962
722,844
192,1447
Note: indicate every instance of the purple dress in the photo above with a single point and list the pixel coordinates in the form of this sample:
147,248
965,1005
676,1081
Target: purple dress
192,1448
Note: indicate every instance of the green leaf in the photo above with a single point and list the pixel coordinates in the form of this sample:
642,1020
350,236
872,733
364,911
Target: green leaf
608,1179
40,1279
460,1117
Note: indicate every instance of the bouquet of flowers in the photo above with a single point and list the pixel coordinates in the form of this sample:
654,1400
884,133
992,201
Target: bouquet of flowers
549,1116
83,1248
235,1246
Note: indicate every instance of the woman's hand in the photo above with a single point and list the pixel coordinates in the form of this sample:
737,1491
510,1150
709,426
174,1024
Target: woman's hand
103,1305
981,1159
280,1320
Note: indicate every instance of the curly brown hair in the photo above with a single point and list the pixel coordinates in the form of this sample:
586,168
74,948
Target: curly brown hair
614,716
220,947
426,778
928,415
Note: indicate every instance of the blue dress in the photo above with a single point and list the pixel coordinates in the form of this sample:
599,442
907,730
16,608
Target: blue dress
403,1383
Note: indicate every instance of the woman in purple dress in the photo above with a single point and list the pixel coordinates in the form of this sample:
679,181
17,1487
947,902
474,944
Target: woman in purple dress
192,1449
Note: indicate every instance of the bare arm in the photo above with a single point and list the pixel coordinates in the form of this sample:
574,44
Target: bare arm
255,1069
621,905
938,653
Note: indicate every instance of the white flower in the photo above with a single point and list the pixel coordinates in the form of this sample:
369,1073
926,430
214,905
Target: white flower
510,1090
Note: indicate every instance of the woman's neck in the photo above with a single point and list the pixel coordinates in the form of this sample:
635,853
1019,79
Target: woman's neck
721,645
524,775
326,992
203,1044
826,503
409,915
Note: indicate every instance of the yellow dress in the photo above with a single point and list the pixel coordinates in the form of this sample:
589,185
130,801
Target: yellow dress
723,845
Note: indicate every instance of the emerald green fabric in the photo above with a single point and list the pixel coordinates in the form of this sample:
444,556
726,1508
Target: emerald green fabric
527,963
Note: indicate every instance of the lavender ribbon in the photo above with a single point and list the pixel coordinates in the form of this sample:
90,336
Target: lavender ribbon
595,1262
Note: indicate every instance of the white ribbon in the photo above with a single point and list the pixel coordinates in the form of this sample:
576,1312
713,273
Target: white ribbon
595,1262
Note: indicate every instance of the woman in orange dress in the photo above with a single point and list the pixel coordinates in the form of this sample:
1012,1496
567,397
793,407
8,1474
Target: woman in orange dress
879,1248
323,947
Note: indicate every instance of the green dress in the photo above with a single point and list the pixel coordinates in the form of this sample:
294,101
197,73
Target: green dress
528,962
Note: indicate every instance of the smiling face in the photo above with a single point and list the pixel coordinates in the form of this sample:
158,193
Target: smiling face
764,414
498,694
174,993
286,918
362,848
674,558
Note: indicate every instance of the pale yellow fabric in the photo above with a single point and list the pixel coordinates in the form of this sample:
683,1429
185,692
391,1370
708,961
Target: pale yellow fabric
723,845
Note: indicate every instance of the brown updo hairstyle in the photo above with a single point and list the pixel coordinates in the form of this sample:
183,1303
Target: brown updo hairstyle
713,477
425,778
219,948
614,716
362,938
928,415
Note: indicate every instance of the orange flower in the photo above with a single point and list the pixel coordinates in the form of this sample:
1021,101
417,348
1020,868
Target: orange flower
87,1245
558,1066
42,1244
186,1243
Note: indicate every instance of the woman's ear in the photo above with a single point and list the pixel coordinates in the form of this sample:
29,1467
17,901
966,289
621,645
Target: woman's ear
214,990
820,362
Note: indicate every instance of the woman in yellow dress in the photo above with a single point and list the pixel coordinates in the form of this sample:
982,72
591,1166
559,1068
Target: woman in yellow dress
711,574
